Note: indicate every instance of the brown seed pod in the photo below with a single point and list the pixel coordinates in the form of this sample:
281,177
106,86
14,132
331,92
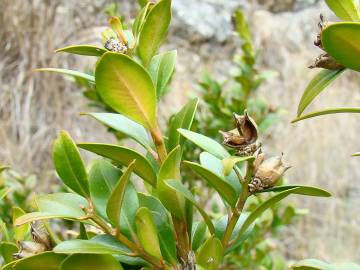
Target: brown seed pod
326,61
28,248
232,139
39,235
246,127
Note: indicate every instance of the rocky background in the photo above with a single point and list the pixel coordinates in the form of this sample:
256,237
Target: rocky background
34,107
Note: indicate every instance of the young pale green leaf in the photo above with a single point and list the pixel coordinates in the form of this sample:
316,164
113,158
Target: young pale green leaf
180,188
69,165
20,231
319,83
342,42
124,156
70,73
161,69
43,261
205,143
88,247
224,189
183,119
198,235
356,154
163,226
154,30
344,9
4,192
57,205
170,169
126,87
91,262
210,254
88,50
115,202
125,126
230,162
326,112
140,18
278,197
147,232
7,250
311,264
103,177
4,231
304,190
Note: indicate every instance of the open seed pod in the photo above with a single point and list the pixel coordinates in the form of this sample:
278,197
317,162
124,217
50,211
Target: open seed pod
246,127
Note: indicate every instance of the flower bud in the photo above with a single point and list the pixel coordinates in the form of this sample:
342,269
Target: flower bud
267,173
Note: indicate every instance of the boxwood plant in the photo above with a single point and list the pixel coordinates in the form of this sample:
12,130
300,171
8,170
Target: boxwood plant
133,208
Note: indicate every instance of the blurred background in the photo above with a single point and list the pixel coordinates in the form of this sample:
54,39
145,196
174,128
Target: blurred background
35,106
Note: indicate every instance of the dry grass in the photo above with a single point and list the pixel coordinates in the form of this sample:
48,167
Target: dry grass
34,107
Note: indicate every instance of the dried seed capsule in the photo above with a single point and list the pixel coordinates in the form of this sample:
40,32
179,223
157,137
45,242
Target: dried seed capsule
326,61
39,235
28,248
115,45
232,139
246,127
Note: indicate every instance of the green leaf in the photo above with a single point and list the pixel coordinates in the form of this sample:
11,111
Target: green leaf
57,205
69,165
126,87
180,188
4,231
70,73
89,50
91,262
163,226
278,197
147,232
198,234
356,154
319,83
230,162
205,143
115,202
183,119
154,30
223,188
170,169
103,177
304,190
140,18
42,261
326,112
342,42
7,249
79,246
210,254
125,126
161,69
20,231
4,192
124,156
3,168
346,266
311,264
344,9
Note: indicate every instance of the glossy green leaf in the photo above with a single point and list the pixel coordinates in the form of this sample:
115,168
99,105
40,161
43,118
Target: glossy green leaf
91,262
103,177
7,249
342,42
198,234
115,202
319,83
304,190
230,162
326,112
79,246
223,188
163,226
69,165
210,254
278,197
88,50
124,156
170,169
311,264
147,232
70,73
140,18
154,30
183,119
205,143
161,69
126,87
20,231
125,126
128,211
57,205
180,188
344,9
42,261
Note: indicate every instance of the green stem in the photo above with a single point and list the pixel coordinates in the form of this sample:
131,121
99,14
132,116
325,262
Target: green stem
159,143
